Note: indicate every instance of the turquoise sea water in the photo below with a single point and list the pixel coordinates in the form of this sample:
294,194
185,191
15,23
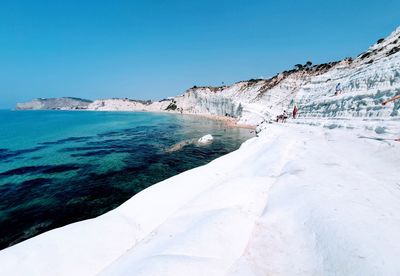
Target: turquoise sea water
59,167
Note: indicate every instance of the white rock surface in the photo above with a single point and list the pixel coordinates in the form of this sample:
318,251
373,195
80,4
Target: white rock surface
369,79
298,200
366,82
127,105
316,196
206,139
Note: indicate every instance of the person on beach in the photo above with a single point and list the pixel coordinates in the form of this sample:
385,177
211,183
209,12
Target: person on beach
295,109
338,89
285,116
282,118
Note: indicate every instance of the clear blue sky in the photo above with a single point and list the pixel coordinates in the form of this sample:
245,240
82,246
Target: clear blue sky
155,49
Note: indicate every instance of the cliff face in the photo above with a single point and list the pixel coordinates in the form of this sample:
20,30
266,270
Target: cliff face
325,202
373,77
66,103
127,105
366,81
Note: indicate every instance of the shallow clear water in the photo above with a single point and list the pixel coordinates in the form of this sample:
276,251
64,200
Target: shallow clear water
59,167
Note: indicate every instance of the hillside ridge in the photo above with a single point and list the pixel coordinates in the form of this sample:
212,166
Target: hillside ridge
366,81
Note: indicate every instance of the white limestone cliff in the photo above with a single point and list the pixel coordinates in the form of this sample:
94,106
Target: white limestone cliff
316,196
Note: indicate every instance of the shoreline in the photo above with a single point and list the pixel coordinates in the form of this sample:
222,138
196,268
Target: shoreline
205,211
228,121
318,195
205,124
